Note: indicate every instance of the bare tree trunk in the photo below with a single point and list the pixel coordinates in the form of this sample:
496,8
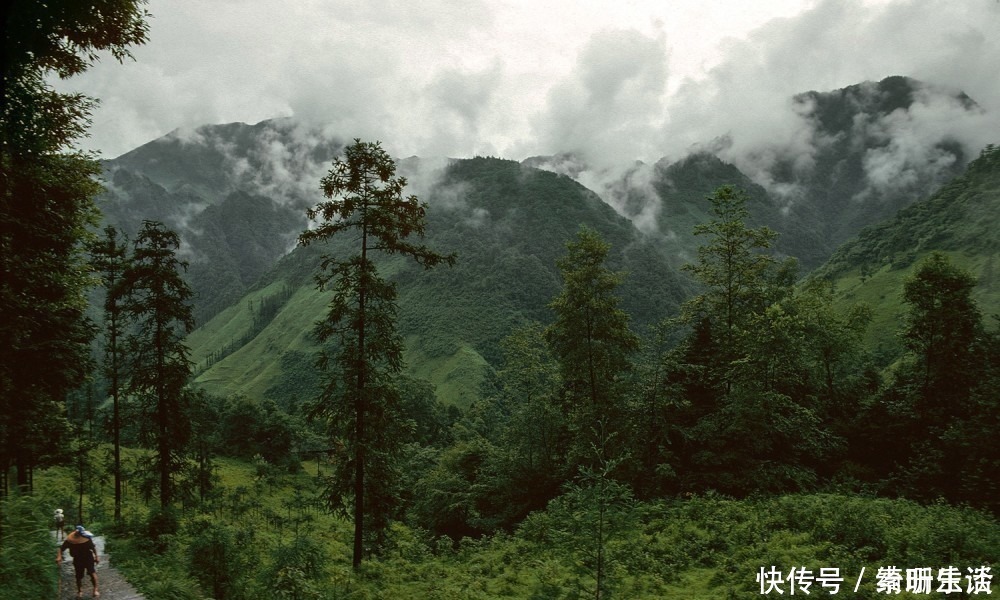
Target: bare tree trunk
359,416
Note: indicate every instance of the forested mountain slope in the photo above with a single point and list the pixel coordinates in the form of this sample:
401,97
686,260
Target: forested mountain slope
507,223
237,193
959,220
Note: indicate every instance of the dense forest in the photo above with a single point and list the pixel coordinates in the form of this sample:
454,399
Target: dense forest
591,414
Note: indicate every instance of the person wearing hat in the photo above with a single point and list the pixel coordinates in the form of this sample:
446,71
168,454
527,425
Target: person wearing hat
81,547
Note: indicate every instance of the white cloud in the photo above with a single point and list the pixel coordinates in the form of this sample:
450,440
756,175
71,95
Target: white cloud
913,139
744,103
518,78
609,101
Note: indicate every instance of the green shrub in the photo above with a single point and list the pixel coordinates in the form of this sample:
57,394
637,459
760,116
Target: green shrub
215,559
161,526
292,583
297,569
27,551
171,588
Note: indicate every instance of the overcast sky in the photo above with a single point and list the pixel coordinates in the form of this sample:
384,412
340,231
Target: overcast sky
638,79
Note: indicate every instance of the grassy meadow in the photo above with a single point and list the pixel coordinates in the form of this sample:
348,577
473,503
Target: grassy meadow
264,533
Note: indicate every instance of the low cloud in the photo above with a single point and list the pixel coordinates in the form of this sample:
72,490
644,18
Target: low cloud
288,161
459,103
919,142
745,102
608,85
283,159
599,116
610,100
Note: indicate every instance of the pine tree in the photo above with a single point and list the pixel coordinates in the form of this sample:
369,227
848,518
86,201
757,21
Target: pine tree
46,206
158,307
936,398
591,340
360,400
110,258
533,425
524,426
944,327
733,266
43,280
594,511
750,365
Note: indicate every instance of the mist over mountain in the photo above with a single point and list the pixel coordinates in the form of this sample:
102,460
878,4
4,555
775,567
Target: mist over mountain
508,225
237,195
878,147
838,161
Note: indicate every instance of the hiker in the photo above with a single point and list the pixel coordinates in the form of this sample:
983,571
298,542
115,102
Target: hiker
81,547
59,524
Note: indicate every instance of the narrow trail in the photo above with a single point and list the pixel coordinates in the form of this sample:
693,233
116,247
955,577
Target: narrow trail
110,582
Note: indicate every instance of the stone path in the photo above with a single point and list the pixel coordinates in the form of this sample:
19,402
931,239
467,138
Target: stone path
110,582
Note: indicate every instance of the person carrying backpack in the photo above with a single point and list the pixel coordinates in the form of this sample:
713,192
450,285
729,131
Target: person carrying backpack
59,519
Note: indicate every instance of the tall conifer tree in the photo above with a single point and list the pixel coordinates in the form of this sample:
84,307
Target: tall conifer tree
46,205
360,400
592,341
752,420
158,305
110,258
936,395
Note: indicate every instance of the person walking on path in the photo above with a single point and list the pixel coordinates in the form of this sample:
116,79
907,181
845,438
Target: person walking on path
85,559
58,516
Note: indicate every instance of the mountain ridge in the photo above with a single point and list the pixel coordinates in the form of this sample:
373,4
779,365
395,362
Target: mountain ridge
242,204
852,166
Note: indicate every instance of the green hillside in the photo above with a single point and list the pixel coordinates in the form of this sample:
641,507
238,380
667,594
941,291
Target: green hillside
508,224
237,193
959,220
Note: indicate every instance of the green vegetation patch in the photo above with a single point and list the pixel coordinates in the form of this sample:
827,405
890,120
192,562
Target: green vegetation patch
252,368
456,375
